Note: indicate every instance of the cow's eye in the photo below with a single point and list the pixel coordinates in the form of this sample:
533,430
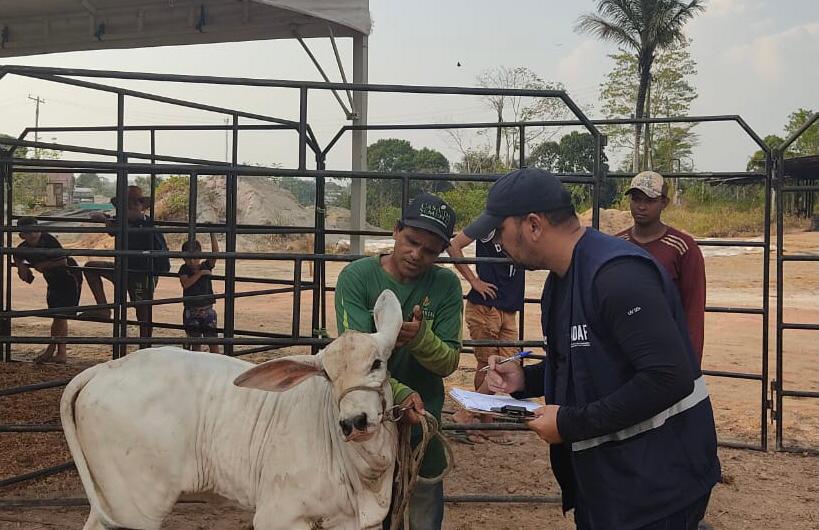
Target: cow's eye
376,365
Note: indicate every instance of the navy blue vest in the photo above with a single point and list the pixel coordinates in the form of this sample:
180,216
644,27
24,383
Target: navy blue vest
645,472
508,278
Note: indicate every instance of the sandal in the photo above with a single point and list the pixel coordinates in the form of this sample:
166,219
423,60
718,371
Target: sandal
461,437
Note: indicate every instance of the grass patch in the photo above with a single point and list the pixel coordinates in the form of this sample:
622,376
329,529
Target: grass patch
726,220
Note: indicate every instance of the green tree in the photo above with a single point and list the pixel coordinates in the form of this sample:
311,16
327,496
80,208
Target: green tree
28,189
468,200
808,142
430,161
576,155
89,180
644,28
544,156
6,142
757,161
672,92
392,155
480,161
171,201
304,190
516,108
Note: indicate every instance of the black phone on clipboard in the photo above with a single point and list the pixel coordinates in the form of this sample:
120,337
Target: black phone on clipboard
513,414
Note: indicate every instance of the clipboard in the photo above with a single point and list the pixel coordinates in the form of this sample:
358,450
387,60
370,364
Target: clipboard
509,414
504,408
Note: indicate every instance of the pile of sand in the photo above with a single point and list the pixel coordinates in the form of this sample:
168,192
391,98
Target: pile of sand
260,202
611,221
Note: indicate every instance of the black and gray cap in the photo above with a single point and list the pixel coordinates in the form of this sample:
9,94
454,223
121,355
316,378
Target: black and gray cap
429,212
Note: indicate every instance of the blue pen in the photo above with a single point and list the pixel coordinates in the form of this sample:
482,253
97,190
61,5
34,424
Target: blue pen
515,357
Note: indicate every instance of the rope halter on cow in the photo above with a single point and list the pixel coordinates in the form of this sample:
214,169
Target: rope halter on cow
408,464
379,390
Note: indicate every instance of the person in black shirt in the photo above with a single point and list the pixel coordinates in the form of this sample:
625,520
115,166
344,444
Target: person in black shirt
64,284
493,303
141,282
627,416
199,316
491,313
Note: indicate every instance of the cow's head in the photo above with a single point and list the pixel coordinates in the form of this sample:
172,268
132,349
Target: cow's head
355,364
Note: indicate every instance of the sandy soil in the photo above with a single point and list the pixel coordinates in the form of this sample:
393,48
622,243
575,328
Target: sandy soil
769,490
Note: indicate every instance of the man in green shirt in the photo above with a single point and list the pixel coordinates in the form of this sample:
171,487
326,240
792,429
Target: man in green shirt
429,344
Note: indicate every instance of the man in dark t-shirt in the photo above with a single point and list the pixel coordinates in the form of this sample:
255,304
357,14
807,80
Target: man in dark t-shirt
494,300
199,316
141,281
64,284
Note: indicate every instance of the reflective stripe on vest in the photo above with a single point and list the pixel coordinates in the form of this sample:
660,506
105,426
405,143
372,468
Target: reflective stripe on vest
697,395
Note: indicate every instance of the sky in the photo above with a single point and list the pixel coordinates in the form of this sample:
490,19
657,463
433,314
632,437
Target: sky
754,58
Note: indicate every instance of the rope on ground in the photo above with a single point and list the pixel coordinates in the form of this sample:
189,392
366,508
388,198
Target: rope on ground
408,465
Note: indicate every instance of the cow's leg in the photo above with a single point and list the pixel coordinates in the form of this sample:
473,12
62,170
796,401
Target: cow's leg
93,522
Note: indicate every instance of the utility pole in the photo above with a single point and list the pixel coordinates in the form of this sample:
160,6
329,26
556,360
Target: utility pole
37,102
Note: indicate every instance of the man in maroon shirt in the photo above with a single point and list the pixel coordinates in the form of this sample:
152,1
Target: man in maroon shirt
676,251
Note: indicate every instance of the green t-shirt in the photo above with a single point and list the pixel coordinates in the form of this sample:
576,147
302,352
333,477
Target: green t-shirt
421,364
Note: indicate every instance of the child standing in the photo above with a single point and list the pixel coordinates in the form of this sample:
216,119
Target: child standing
199,316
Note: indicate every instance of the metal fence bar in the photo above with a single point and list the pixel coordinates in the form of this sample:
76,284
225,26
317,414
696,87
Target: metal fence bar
40,473
5,324
24,427
10,391
121,241
522,499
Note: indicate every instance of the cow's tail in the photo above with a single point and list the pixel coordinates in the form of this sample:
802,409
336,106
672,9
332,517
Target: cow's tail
69,399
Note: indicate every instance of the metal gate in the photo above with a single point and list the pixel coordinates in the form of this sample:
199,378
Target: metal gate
239,341
780,389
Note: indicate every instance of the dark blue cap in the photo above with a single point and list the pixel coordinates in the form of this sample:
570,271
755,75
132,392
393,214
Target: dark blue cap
523,191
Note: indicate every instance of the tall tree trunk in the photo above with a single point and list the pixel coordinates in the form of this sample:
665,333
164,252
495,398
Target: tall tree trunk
644,70
648,162
498,135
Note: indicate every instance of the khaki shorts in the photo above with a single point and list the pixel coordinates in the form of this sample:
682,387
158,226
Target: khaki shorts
489,323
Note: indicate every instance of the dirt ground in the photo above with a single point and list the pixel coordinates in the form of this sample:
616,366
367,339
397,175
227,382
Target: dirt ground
767,490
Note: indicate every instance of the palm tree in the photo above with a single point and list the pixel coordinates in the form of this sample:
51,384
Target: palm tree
643,27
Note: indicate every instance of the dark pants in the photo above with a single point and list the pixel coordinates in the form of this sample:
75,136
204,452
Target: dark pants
686,519
426,507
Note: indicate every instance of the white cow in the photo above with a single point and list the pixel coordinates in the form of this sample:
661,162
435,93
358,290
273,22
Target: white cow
306,452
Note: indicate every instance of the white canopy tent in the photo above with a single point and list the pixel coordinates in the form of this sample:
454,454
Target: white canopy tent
47,26
32,27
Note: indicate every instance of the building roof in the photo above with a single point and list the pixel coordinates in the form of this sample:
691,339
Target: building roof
802,167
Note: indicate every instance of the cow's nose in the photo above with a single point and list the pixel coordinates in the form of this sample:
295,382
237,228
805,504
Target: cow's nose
346,427
360,422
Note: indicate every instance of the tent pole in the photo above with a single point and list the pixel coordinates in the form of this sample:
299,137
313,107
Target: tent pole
358,187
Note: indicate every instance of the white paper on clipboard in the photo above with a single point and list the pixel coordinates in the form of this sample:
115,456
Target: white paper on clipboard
486,402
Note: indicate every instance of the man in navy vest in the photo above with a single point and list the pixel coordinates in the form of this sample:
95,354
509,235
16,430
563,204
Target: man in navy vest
628,417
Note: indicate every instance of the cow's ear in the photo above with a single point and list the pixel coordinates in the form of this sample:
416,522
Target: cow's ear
388,321
282,374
